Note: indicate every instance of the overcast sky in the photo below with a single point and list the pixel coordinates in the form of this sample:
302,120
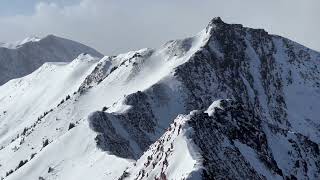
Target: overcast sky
115,26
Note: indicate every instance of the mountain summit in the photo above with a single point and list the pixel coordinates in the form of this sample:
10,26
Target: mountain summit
231,102
23,57
18,44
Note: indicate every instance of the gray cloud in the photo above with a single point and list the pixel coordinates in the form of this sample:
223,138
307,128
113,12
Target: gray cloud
114,26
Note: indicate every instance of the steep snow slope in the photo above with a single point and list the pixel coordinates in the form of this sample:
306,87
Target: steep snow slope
23,57
121,75
47,120
72,156
24,100
120,105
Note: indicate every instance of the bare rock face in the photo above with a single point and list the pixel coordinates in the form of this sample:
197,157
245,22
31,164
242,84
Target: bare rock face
108,139
263,71
139,123
229,143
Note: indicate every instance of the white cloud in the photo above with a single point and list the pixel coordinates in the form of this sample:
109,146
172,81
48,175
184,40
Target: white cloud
114,26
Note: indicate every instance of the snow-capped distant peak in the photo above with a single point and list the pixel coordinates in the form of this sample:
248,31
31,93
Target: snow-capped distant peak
14,45
23,57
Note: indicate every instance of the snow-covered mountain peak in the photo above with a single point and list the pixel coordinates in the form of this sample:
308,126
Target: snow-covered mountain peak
33,52
17,44
216,21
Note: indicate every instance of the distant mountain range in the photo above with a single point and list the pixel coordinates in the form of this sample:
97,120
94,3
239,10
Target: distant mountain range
228,103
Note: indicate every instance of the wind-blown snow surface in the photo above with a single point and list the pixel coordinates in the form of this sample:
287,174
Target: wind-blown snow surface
23,57
103,118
